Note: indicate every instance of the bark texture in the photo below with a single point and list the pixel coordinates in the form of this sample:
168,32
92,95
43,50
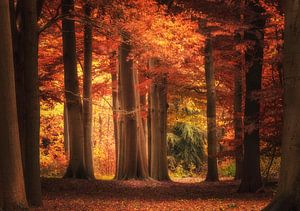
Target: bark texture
76,167
251,178
158,107
87,94
132,161
12,187
289,183
32,105
212,161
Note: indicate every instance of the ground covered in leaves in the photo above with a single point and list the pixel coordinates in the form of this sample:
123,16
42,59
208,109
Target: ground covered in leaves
183,194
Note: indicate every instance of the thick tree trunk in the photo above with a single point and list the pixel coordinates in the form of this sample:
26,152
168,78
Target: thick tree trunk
251,178
289,183
87,95
158,108
212,161
76,168
12,187
32,105
132,162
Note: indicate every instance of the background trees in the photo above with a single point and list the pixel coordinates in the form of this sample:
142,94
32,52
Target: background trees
94,62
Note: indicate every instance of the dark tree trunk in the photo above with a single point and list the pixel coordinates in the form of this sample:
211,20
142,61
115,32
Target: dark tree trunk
76,167
289,183
132,162
212,161
12,187
251,178
32,105
87,95
158,108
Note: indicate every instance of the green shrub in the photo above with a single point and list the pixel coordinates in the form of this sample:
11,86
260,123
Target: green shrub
186,149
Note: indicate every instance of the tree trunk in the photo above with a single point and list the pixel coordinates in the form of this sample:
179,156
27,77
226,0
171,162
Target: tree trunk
32,105
158,108
251,178
289,184
87,95
212,162
66,132
132,162
238,123
115,104
12,187
76,167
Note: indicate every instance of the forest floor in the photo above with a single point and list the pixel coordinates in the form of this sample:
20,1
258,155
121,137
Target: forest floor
182,194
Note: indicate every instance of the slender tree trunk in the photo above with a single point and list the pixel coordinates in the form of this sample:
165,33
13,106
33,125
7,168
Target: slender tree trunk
238,123
12,187
87,95
251,178
289,184
131,154
149,132
158,106
212,162
238,101
143,101
114,85
66,131
76,168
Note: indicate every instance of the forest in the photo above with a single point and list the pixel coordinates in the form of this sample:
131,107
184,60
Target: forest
150,105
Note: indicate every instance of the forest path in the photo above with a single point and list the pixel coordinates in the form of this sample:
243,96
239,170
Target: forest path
68,194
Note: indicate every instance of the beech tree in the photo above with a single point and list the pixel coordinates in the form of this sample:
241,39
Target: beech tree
76,167
87,93
254,34
212,143
132,161
288,191
158,130
24,16
12,188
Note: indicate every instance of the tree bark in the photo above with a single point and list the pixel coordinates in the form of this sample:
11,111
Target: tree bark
212,162
66,132
76,167
87,94
289,183
12,187
238,123
158,108
32,105
132,162
115,102
251,178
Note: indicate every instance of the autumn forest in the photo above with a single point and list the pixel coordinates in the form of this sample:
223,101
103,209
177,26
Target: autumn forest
149,105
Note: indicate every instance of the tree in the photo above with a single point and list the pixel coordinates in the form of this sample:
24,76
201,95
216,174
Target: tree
76,167
212,143
132,161
32,105
288,191
158,112
11,171
87,93
254,35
